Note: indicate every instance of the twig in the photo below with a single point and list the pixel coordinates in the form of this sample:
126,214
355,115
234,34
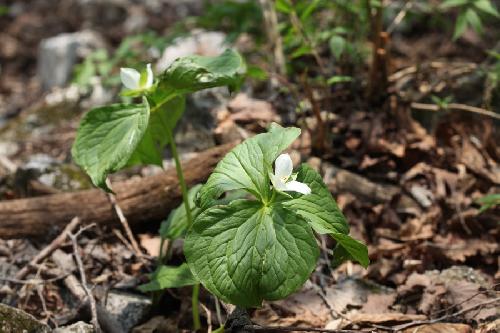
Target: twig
217,311
466,300
33,281
295,329
456,106
124,222
271,22
56,243
107,321
319,143
83,277
401,15
436,320
8,164
209,317
297,24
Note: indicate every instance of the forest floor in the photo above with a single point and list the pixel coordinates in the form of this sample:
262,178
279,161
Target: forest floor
407,178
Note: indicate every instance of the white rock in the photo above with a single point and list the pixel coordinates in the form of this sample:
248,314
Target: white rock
58,54
78,327
207,43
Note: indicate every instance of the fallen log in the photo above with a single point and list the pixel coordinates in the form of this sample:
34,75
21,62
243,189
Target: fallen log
142,200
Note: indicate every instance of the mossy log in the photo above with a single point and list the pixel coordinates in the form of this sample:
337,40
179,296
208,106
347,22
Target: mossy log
143,200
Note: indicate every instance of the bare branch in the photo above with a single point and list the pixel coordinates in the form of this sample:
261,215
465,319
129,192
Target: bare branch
83,278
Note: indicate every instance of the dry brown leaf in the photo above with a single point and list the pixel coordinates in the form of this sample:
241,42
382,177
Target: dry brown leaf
421,227
304,308
459,249
477,162
150,243
440,328
394,148
157,324
383,318
376,303
353,143
491,327
247,110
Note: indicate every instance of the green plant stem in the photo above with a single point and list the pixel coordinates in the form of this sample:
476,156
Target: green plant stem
182,183
180,175
194,305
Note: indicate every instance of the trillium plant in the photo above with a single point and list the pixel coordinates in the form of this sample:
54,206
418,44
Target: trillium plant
250,231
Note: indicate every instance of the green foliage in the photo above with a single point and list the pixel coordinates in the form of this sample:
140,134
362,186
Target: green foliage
442,102
233,17
313,28
247,166
169,277
107,138
262,248
130,53
319,207
112,137
489,201
339,79
176,224
471,13
4,10
193,73
246,252
150,148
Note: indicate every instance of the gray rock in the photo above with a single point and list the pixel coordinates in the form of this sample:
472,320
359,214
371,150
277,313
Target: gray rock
128,309
208,43
79,327
58,55
13,320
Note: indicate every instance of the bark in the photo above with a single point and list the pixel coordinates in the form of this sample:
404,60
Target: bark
142,200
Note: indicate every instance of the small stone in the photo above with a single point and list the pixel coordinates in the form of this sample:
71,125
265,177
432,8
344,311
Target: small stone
207,43
128,309
78,327
58,55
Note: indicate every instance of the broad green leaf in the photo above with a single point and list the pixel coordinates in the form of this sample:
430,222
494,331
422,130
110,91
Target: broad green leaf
339,256
454,3
488,201
460,26
318,208
474,20
107,137
339,79
169,277
176,224
357,251
247,166
284,6
163,119
193,73
307,12
337,45
302,50
486,7
247,252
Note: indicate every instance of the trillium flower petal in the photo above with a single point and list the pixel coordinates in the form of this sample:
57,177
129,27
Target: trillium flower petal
297,187
277,183
149,77
283,166
130,78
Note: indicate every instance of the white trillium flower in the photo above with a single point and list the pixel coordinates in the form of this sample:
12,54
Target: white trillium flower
131,78
283,168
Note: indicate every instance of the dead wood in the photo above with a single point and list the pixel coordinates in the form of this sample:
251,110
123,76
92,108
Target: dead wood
142,200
